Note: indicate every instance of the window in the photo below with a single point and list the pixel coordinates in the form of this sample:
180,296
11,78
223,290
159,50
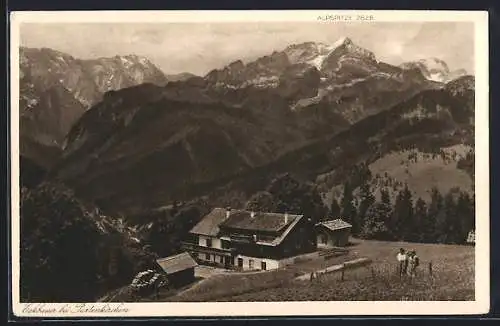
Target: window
250,263
209,243
322,239
240,262
225,244
207,256
263,265
221,259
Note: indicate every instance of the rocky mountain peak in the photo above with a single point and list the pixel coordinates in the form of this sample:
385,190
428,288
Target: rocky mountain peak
461,85
435,65
346,45
60,88
132,59
265,71
434,69
236,65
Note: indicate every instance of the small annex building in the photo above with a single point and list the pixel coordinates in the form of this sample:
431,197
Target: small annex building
178,268
333,233
471,237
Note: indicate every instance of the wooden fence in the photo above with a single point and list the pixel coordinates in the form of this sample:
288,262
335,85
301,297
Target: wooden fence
392,270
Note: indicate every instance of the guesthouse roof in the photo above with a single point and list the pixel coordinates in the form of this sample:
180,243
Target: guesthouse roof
260,221
209,224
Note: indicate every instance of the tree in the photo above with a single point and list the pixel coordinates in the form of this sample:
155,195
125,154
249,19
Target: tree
434,214
377,217
58,247
402,215
175,208
157,237
448,224
168,230
367,199
69,252
334,208
465,215
348,209
261,201
290,195
420,217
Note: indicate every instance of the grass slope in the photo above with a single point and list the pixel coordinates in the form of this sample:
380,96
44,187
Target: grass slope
452,279
421,171
425,171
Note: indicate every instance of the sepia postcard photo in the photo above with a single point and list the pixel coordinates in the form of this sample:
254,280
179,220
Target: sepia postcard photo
249,163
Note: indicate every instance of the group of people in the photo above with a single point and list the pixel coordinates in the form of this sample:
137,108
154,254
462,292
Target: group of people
408,262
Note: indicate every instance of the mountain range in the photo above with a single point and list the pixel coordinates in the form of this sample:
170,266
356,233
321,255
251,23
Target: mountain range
131,137
56,89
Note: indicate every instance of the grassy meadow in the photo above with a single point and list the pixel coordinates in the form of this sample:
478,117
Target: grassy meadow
452,278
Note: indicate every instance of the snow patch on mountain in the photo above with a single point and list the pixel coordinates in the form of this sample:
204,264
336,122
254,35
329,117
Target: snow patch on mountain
324,51
435,65
339,42
125,61
435,69
322,92
312,53
262,82
318,61
144,61
437,76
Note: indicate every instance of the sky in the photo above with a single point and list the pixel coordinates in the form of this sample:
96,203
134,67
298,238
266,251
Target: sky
201,47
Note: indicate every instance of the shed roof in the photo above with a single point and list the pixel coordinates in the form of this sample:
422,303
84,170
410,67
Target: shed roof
336,224
177,263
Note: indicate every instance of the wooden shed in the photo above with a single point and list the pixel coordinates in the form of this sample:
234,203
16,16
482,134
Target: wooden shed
179,268
333,233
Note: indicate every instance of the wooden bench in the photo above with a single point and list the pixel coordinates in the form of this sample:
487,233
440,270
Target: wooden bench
334,252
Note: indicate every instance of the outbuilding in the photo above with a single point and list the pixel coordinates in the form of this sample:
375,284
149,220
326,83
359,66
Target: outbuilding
333,233
471,238
178,268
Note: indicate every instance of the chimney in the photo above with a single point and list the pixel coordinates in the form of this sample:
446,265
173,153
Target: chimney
286,217
252,214
228,212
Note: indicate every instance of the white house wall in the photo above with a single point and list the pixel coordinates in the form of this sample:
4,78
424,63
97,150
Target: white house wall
211,258
270,263
216,242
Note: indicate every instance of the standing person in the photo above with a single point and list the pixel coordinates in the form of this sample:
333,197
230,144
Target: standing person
405,265
402,262
414,261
